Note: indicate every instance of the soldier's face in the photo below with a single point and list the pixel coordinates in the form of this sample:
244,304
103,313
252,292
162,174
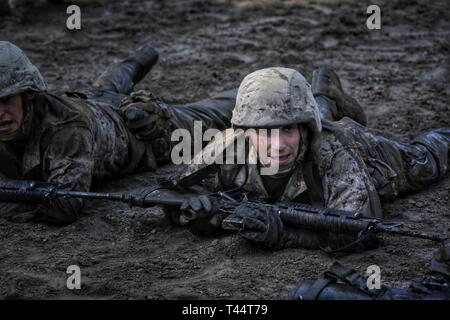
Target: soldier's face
277,151
11,114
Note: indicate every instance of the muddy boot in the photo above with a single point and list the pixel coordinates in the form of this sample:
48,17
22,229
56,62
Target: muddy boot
342,283
337,283
122,77
333,102
437,141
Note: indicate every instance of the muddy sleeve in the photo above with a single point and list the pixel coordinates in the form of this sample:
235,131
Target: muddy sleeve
346,185
68,161
346,182
210,113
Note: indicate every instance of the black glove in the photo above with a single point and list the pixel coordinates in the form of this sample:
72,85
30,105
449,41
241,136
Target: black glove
147,117
198,213
196,207
262,225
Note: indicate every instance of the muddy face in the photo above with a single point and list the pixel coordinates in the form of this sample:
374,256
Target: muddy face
277,146
11,114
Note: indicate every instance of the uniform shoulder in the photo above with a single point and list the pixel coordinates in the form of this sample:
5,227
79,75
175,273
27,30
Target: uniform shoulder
325,138
334,138
57,109
342,132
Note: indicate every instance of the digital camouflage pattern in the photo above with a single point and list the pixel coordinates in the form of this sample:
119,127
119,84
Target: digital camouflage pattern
346,166
275,97
74,142
79,138
17,73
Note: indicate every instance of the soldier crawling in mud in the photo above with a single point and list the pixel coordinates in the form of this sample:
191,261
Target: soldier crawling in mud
326,157
78,138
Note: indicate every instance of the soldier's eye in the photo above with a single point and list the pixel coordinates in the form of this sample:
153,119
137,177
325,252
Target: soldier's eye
287,129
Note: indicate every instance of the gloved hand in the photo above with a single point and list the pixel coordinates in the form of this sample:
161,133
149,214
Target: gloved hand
264,225
261,225
147,117
198,213
194,208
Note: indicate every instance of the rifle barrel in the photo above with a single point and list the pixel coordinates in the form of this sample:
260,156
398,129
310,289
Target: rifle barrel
130,198
410,233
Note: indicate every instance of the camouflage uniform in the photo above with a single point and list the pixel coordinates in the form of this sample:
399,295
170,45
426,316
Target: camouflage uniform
76,139
342,164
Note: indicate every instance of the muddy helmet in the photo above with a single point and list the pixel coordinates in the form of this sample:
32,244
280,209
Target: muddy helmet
17,73
275,97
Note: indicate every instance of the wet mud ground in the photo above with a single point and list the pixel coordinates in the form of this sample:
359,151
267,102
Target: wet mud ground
400,74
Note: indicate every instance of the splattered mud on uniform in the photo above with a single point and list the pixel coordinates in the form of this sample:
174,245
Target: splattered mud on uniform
76,142
78,138
346,165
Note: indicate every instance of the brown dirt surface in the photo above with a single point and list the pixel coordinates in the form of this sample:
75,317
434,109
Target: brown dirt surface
400,74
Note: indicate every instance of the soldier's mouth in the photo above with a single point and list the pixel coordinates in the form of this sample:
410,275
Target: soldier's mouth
5,126
282,159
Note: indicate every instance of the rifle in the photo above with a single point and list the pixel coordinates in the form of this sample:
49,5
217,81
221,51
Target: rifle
294,214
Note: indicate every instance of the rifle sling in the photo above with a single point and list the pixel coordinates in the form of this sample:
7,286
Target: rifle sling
313,182
197,177
317,287
351,277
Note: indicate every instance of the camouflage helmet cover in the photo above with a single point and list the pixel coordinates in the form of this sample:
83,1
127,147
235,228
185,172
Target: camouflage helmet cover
275,97
17,73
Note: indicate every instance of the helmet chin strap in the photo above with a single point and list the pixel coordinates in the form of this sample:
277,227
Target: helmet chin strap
25,127
303,144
